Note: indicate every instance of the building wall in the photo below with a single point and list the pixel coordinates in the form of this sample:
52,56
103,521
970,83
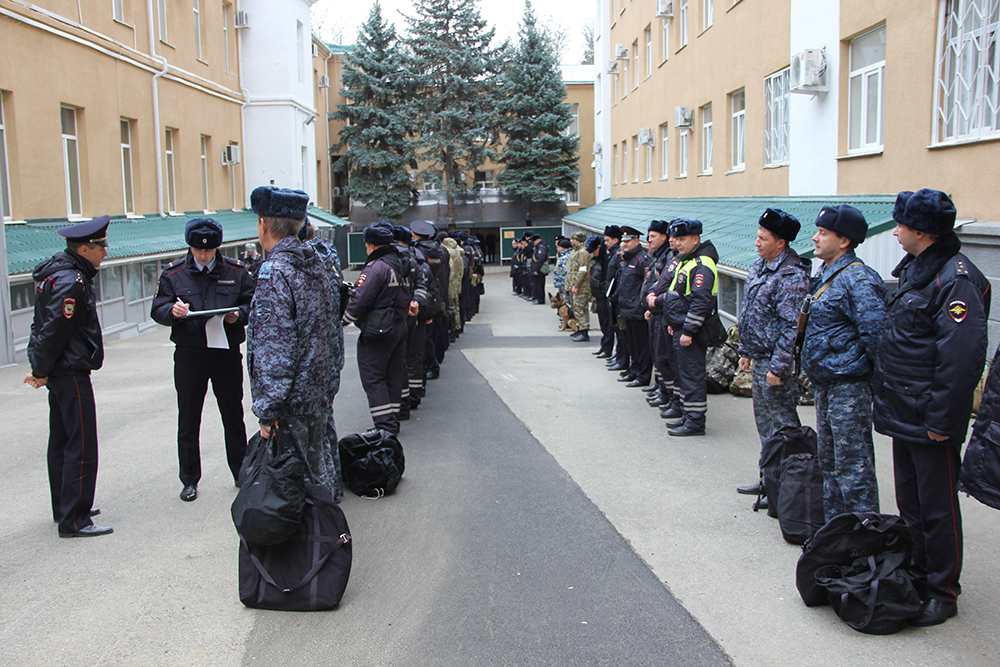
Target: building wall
583,94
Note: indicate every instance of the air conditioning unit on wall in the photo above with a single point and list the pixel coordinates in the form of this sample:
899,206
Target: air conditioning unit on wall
646,137
612,67
597,148
664,9
231,154
324,81
242,20
807,74
683,118
621,52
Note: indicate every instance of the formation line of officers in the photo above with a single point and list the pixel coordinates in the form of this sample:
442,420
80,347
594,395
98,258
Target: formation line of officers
412,298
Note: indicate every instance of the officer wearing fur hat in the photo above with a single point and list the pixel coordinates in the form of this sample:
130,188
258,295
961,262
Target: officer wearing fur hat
636,267
436,337
930,358
578,285
664,261
64,347
841,340
204,280
539,258
290,338
613,339
768,320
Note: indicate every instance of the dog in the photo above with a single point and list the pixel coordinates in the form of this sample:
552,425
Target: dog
568,321
556,301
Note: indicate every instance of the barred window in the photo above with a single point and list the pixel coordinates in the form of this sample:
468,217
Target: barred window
776,119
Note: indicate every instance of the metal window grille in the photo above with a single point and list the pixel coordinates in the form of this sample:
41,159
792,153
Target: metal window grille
776,119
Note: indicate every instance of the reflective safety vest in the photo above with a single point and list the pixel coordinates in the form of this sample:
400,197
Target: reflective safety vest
686,267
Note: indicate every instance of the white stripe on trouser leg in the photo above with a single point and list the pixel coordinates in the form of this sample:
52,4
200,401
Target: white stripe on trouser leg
380,410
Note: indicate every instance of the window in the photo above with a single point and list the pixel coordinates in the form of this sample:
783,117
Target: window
118,10
625,78
161,6
864,123
706,139
635,156
614,91
648,34
665,38
225,34
71,162
573,129
572,197
112,288
649,163
966,97
126,128
483,180
305,166
739,100
624,162
664,151
301,48
706,14
204,172
635,68
22,296
776,119
168,151
197,29
5,212
682,155
682,25
614,172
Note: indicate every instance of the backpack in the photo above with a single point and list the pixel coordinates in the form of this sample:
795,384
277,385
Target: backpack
873,594
844,538
787,441
372,463
800,499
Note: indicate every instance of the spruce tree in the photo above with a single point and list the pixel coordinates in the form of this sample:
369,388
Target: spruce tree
540,160
453,110
378,150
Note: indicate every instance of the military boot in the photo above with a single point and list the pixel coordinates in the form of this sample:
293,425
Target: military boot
581,336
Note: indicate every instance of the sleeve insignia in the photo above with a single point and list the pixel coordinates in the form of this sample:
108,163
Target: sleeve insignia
958,309
265,270
361,280
69,307
699,280
263,310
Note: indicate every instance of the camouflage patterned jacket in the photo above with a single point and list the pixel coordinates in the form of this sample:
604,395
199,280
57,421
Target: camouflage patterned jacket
290,349
559,273
331,260
578,270
769,313
456,268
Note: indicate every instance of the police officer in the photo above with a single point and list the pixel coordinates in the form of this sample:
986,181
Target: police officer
578,285
64,347
599,293
838,354
379,307
424,289
690,301
768,320
663,260
436,336
202,280
635,270
539,258
290,338
930,358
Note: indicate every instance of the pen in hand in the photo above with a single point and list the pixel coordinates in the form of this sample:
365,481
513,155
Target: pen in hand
180,309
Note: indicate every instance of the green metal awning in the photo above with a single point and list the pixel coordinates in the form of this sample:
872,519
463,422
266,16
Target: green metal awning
731,222
327,217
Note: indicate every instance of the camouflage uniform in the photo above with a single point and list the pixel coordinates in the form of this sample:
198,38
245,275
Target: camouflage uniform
457,266
768,320
331,260
578,276
838,354
559,273
290,356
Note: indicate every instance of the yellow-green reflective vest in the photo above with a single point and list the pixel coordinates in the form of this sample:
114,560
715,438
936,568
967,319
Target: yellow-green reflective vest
686,267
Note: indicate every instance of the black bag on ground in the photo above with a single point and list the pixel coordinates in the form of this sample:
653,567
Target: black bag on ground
844,538
873,594
787,441
800,500
269,504
372,463
308,571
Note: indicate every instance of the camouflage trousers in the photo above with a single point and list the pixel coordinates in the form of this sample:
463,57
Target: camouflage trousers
316,437
581,310
845,447
773,407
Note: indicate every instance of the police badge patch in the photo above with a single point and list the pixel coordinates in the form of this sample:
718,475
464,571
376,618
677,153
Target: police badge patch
361,280
263,310
69,307
958,309
265,271
699,280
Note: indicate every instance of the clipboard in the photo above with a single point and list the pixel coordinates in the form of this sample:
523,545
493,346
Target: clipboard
215,311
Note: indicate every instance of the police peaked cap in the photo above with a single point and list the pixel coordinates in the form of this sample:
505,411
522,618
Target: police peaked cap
630,232
269,201
843,220
203,233
594,242
661,226
783,225
613,231
423,228
378,234
685,227
92,231
401,234
926,210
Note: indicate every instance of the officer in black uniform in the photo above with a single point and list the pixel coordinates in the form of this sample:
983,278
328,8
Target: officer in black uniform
539,258
205,279
635,270
436,335
64,347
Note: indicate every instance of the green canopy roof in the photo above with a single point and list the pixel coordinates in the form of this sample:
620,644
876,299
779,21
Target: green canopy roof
731,222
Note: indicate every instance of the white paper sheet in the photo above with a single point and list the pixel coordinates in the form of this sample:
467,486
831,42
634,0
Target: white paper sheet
215,333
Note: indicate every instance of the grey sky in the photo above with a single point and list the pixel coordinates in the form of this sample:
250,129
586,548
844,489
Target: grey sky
504,15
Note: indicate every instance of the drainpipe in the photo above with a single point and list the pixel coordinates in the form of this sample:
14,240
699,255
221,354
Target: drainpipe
158,134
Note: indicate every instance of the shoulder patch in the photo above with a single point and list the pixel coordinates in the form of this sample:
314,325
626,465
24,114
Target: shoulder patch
699,280
69,307
958,309
263,310
361,279
265,270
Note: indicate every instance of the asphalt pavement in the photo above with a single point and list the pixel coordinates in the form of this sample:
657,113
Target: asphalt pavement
545,518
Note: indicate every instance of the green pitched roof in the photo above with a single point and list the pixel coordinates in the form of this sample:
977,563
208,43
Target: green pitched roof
731,222
327,217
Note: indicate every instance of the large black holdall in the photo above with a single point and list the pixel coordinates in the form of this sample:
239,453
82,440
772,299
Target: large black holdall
269,504
372,463
787,441
306,572
800,503
873,594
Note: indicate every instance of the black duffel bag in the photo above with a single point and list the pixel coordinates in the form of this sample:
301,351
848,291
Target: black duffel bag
308,571
844,538
269,504
372,463
873,594
787,441
800,503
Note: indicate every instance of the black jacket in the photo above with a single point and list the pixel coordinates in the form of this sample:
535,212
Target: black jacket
435,254
228,284
65,334
981,466
636,267
598,275
933,345
614,267
379,287
693,297
539,256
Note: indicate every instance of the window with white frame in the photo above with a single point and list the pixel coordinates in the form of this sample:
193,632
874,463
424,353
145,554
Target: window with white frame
866,91
967,94
168,154
649,163
614,165
682,154
776,119
204,173
572,197
739,104
225,33
635,64
625,162
574,124
682,24
197,28
126,131
665,39
706,139
625,78
161,12
648,34
483,180
71,161
706,14
118,10
635,157
5,210
614,90
664,150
